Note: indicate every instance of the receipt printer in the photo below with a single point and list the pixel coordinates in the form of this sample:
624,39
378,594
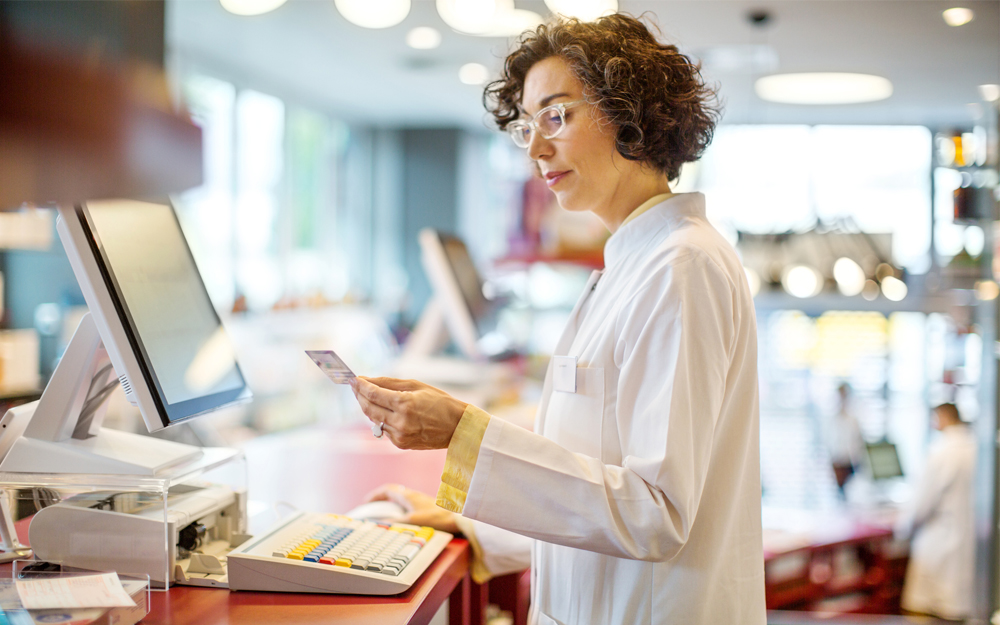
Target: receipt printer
132,533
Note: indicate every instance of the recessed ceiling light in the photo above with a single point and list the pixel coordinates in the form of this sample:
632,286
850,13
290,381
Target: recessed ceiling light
894,289
423,38
473,74
989,93
823,88
250,7
583,10
469,16
512,23
487,18
849,276
374,13
802,281
958,16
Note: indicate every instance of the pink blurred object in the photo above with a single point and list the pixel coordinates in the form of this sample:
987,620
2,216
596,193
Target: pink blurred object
331,470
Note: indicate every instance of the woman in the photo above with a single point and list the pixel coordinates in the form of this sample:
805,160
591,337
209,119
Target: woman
640,484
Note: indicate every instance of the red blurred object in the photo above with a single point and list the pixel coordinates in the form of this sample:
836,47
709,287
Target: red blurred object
72,130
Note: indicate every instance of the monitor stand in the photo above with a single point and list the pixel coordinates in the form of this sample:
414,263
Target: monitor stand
62,431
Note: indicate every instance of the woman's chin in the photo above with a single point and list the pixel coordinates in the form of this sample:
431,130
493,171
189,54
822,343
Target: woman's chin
569,203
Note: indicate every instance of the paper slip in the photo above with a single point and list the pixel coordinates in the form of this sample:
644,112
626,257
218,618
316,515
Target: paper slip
85,591
331,364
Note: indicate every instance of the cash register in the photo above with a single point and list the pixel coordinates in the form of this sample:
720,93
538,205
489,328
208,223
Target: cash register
152,329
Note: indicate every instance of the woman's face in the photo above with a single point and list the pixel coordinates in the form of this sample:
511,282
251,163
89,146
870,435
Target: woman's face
580,164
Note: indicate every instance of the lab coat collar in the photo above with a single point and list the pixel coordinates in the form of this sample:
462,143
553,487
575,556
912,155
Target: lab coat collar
634,236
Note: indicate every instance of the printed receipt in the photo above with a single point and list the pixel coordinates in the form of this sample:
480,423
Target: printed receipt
85,591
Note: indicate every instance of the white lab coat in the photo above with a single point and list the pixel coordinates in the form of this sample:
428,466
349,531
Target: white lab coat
939,578
642,488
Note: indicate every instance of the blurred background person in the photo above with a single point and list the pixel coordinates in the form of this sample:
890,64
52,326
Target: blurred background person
844,440
939,520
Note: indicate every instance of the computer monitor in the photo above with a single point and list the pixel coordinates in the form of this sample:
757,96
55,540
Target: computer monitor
458,303
151,317
883,460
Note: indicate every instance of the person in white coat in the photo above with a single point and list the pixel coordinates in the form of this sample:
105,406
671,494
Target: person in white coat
941,572
640,485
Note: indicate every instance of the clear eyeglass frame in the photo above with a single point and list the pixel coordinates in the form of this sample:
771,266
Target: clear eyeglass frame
520,130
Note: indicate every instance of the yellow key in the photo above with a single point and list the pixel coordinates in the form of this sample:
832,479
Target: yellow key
296,556
342,562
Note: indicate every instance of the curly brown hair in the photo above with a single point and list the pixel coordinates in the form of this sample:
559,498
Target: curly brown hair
652,94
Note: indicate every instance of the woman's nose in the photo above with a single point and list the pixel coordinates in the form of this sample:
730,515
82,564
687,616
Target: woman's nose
538,146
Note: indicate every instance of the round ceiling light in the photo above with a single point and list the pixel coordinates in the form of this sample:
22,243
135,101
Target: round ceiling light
473,74
374,13
470,16
250,7
849,276
423,38
823,88
990,93
958,16
894,289
487,18
583,10
802,281
513,22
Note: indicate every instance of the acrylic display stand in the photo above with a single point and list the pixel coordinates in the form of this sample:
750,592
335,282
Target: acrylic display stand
136,525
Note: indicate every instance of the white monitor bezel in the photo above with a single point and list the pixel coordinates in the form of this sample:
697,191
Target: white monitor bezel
118,335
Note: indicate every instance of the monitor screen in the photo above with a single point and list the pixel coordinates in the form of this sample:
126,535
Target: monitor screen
177,337
884,461
469,283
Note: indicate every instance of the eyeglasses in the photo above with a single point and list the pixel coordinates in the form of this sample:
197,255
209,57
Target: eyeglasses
549,122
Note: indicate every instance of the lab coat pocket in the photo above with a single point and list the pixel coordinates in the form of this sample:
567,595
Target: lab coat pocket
575,420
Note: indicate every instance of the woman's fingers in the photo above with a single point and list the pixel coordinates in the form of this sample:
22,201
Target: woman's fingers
374,412
395,384
386,398
391,492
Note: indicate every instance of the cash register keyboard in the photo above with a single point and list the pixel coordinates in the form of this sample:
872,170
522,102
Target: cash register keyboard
315,552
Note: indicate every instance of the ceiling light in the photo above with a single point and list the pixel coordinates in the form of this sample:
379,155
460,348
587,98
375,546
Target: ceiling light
894,289
512,23
583,10
823,88
987,290
487,18
849,275
374,13
423,38
473,74
802,281
989,93
957,16
250,7
471,16
870,292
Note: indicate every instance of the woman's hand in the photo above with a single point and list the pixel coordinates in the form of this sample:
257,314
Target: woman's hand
420,508
413,415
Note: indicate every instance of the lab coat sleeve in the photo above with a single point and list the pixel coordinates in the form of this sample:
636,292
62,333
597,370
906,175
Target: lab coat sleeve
495,551
674,343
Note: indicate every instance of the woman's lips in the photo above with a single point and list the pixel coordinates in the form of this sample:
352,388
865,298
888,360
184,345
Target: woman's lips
553,177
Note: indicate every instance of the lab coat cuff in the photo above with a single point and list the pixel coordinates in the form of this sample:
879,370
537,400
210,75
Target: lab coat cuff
460,463
480,573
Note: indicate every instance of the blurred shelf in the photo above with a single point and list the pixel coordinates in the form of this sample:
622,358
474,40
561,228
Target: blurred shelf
590,259
73,130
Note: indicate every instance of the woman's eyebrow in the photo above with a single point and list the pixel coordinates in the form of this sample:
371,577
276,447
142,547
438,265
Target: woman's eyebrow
545,102
547,99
